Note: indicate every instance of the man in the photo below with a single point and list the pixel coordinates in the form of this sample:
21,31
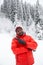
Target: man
22,46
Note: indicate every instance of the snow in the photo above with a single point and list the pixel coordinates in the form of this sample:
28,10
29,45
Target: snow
8,58
38,55
5,24
6,55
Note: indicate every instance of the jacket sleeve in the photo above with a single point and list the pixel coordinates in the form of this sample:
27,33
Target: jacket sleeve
17,50
31,43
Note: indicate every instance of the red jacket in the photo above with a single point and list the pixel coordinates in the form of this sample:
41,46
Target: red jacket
23,53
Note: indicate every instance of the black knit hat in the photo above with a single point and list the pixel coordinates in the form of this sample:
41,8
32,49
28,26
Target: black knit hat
18,28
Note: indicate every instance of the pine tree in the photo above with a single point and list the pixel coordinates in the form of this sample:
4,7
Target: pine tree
25,9
13,10
32,12
22,11
5,6
8,8
37,16
18,7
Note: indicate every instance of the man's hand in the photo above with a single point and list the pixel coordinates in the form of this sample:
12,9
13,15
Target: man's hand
31,49
21,41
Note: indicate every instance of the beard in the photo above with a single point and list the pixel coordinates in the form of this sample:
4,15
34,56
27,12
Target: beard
20,34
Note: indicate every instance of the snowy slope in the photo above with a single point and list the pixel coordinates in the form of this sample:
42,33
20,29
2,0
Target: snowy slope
5,23
38,55
8,58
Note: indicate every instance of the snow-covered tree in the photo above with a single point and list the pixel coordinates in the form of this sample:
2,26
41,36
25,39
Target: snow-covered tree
18,8
25,9
22,10
5,6
9,7
13,10
36,14
32,11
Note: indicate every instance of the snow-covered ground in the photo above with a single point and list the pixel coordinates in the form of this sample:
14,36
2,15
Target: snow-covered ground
8,58
6,55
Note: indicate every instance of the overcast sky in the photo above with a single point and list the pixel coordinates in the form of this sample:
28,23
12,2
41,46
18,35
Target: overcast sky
30,1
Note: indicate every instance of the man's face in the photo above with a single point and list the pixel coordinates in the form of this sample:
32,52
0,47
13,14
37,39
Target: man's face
19,31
